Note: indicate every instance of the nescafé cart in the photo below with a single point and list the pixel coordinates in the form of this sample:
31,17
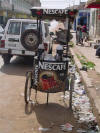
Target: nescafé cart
51,76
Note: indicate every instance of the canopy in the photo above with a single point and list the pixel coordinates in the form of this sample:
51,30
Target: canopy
58,14
93,4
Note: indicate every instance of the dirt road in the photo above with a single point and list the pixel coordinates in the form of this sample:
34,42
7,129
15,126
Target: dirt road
14,116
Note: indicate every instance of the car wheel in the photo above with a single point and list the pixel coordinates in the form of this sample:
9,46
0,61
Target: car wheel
29,40
6,59
28,88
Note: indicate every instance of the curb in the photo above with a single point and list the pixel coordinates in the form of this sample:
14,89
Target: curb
91,91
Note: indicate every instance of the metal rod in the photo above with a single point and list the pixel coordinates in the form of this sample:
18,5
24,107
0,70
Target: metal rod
47,97
39,31
36,96
68,36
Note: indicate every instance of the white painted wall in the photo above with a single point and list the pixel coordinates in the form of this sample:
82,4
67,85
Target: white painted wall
94,31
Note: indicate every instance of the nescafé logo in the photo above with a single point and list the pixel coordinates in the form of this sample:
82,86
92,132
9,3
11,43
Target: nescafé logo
55,11
52,66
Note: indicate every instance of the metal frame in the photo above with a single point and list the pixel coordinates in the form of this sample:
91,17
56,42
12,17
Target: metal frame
39,19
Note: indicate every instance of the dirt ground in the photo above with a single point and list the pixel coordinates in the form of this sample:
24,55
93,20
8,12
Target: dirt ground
16,117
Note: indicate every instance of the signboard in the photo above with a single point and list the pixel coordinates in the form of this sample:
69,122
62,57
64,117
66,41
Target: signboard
50,76
53,13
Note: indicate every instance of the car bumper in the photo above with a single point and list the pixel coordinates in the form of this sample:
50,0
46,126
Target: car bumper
16,52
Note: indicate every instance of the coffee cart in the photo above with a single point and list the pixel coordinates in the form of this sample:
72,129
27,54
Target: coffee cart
50,75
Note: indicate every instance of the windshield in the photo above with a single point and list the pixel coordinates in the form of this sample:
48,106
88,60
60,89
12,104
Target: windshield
27,25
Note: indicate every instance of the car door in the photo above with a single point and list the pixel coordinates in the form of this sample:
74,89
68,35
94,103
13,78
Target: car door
13,35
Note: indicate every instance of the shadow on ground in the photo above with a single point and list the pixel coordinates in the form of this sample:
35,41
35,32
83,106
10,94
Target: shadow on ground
18,66
52,116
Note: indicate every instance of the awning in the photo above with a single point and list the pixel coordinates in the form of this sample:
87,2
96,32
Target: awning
93,4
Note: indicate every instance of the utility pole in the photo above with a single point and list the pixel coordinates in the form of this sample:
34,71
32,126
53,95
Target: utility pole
79,1
11,2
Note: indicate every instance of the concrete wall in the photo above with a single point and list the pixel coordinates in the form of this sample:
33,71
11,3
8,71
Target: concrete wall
92,27
98,23
94,31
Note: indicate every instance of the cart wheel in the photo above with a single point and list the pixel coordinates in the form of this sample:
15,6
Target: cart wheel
28,87
71,90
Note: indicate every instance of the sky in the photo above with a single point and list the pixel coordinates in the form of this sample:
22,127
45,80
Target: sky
60,3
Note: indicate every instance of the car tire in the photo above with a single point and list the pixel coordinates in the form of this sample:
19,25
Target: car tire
29,39
28,87
6,59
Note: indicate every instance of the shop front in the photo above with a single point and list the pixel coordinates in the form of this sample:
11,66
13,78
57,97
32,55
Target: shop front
3,16
94,6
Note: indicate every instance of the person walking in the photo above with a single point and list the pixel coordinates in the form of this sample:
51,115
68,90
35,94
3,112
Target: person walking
84,33
78,35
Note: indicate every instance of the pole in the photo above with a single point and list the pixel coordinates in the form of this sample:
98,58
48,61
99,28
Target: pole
68,36
79,1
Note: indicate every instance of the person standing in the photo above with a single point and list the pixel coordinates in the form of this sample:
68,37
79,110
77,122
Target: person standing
84,32
78,35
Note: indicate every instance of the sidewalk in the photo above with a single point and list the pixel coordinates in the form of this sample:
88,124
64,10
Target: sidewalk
89,53
91,78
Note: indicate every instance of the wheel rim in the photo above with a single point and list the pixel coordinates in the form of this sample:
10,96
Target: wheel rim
31,39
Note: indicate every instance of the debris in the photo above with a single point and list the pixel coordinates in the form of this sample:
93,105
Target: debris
97,88
84,68
92,131
65,96
81,131
66,127
80,92
22,94
82,109
44,129
52,124
32,129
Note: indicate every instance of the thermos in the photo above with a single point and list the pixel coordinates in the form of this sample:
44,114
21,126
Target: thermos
40,52
59,53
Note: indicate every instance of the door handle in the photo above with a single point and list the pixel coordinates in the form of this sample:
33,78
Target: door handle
13,39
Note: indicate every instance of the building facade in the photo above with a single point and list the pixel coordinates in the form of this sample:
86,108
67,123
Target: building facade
94,31
16,9
83,18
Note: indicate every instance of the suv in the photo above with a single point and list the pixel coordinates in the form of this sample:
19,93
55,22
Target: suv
21,38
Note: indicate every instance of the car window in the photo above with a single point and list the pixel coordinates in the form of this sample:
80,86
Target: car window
14,28
27,25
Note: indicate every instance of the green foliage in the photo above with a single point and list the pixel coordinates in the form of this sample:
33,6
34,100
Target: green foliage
85,62
71,44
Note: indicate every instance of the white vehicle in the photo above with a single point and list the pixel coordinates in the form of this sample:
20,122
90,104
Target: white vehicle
1,32
16,41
